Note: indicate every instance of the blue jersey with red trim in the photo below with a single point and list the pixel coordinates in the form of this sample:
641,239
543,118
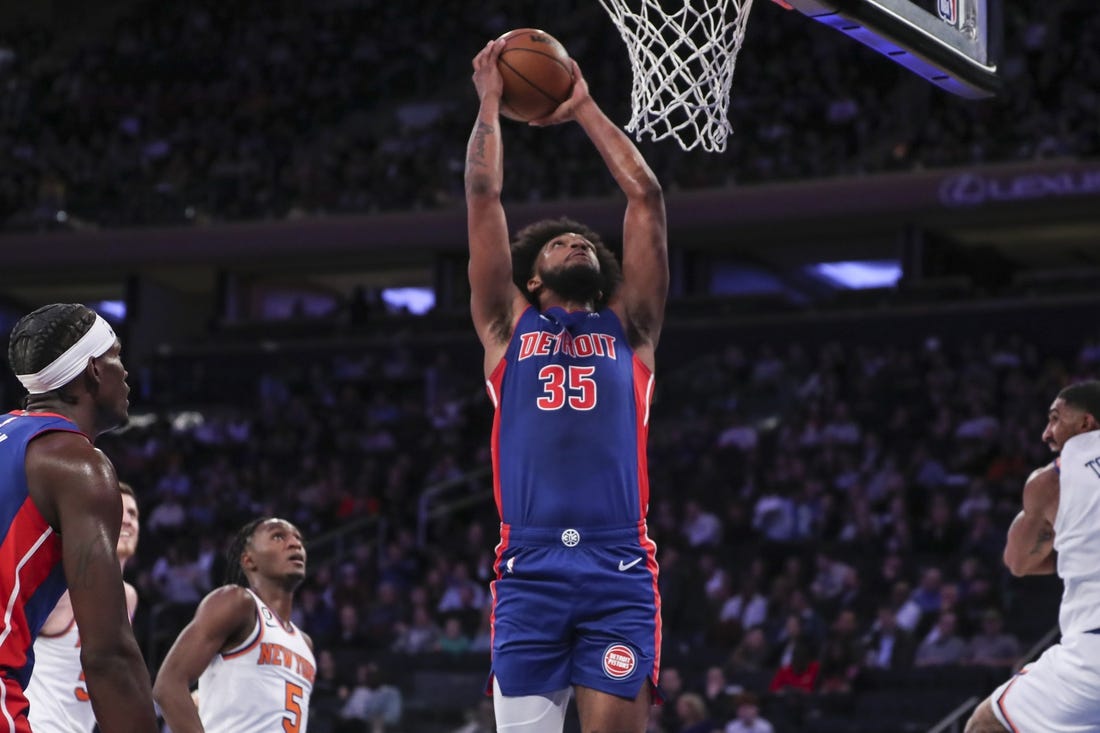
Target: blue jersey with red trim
572,419
31,577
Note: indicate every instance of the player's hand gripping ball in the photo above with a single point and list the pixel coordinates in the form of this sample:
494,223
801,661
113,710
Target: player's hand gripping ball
537,74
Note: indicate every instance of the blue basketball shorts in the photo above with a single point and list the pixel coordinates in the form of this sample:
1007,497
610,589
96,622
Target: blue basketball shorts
576,607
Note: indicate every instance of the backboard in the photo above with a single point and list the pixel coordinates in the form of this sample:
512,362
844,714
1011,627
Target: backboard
952,43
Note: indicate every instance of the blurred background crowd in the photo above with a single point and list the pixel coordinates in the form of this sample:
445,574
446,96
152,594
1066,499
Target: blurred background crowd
206,111
824,514
830,508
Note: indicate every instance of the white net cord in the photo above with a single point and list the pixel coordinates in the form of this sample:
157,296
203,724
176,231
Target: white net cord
683,65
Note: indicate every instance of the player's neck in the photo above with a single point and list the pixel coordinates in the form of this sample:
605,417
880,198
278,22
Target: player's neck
551,300
277,597
80,413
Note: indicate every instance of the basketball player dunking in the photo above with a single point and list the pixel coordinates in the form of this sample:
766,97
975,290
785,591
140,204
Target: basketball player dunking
254,667
57,693
55,484
1059,530
569,343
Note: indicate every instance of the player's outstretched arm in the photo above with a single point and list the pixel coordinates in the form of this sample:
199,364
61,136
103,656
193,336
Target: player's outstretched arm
224,618
78,487
493,295
641,299
1029,549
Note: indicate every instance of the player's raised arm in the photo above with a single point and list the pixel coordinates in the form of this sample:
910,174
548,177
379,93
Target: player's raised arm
226,616
641,298
493,295
1029,549
65,472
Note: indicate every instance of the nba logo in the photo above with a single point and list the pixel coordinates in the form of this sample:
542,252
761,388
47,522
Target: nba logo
949,10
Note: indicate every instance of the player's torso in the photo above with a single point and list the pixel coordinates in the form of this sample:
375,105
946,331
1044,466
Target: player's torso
262,686
31,577
571,423
1077,533
57,693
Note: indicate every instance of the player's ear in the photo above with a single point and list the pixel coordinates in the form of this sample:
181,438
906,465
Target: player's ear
91,371
1091,423
534,283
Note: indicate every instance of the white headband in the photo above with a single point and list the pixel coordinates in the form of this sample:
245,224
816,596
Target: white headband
62,370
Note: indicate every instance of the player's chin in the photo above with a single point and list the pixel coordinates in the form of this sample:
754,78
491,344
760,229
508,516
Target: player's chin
296,573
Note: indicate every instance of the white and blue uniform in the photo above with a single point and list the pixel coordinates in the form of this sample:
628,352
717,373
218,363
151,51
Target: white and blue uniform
262,685
1060,691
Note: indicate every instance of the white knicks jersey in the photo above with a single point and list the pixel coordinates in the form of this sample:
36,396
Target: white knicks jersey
1077,534
57,693
261,686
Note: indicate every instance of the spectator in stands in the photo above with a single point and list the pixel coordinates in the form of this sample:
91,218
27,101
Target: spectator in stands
748,718
168,515
888,645
774,515
349,629
701,528
992,646
312,611
325,700
927,595
907,612
672,685
371,703
716,694
692,715
939,535
421,635
382,616
748,608
942,645
841,655
180,580
453,640
752,653
799,675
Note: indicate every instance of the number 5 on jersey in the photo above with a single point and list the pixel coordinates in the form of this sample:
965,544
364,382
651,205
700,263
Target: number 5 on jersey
575,387
292,723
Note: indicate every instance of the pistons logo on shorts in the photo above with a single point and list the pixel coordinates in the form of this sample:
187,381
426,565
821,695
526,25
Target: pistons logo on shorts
619,661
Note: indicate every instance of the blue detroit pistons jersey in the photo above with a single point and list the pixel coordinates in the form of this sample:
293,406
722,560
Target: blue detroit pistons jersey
572,419
31,577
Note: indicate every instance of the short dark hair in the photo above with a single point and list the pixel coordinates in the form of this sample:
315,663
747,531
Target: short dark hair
127,489
45,334
532,238
1084,396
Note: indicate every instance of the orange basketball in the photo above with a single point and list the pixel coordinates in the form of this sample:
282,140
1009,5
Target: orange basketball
537,74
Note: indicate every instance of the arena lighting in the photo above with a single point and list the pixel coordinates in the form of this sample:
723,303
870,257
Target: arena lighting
112,310
416,300
859,274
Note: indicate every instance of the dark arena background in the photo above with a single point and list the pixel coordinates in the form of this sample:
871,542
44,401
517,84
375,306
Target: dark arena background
877,290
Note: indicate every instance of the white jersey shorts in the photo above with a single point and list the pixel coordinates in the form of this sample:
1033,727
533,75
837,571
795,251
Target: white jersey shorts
1057,693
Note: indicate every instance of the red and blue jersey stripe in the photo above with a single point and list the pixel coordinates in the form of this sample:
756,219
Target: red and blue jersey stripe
31,577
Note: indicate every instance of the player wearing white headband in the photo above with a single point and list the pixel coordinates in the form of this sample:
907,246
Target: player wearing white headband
60,515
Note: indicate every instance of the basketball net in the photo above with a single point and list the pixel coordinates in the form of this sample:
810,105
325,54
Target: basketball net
683,66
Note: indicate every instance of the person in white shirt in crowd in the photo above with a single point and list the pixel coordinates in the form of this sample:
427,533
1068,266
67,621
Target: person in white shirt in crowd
748,718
